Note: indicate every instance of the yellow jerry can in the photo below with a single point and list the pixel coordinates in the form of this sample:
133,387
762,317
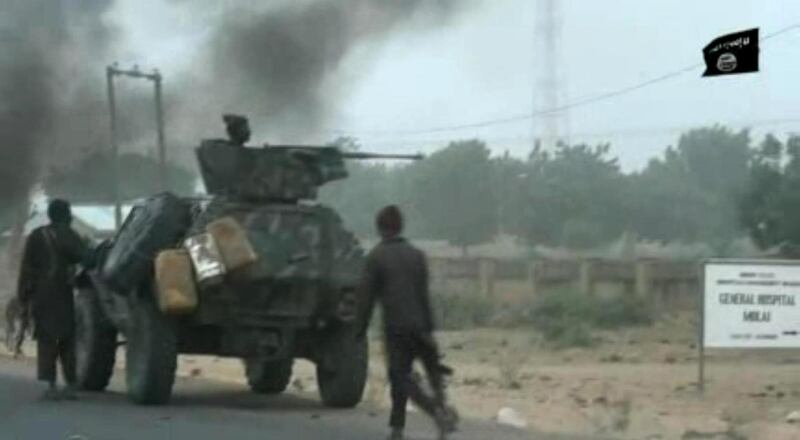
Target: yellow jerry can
175,287
234,246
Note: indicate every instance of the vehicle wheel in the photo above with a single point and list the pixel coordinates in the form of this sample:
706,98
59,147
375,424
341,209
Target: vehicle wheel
342,369
151,353
95,343
268,377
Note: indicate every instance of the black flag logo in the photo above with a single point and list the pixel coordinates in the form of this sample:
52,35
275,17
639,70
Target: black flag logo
731,54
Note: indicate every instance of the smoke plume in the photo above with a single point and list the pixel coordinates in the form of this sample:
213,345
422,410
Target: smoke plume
279,64
45,46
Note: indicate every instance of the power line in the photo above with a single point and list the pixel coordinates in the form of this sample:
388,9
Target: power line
791,27
577,103
635,131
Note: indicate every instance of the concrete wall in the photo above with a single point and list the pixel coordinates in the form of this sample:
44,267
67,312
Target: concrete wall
672,284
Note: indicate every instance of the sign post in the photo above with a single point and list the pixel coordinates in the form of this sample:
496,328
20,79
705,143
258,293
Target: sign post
701,346
749,304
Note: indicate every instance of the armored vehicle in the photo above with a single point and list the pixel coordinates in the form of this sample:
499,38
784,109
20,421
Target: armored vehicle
257,270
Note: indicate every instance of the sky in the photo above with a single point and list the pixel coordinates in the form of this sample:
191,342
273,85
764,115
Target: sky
483,62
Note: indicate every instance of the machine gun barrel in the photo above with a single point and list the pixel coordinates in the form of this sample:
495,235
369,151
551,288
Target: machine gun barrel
357,155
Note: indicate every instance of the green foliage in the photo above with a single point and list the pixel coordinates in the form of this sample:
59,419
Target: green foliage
462,311
91,180
560,317
573,196
565,318
452,194
574,334
368,188
509,180
577,196
625,311
692,192
770,207
582,233
716,158
447,196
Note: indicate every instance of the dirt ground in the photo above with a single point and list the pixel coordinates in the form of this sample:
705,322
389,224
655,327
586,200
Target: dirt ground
635,384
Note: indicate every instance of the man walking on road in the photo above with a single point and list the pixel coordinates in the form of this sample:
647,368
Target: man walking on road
46,288
396,275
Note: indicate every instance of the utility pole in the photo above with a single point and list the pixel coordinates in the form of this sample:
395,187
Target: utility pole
112,107
113,71
162,153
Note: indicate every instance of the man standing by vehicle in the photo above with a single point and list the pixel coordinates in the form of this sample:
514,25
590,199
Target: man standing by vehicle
396,275
45,287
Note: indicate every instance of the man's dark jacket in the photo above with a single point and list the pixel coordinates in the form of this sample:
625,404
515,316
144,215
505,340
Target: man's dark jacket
396,275
46,278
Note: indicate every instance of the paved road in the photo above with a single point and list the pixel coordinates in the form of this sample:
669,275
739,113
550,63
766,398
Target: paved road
201,410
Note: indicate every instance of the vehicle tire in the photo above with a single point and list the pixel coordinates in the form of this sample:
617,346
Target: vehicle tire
342,369
151,353
95,342
268,377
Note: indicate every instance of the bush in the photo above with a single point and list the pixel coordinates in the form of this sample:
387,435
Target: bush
566,318
627,311
460,311
452,311
562,319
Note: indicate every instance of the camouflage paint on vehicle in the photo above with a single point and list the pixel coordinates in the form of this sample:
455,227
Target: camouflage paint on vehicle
307,261
298,299
273,173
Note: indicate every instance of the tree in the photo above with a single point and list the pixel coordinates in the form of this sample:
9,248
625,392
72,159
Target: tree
770,207
357,198
666,204
571,197
451,194
509,175
692,193
368,187
716,159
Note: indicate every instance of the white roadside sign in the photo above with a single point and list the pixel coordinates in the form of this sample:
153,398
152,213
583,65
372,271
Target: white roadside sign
751,304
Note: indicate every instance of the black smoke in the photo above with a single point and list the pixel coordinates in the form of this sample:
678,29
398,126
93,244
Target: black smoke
46,51
26,106
279,64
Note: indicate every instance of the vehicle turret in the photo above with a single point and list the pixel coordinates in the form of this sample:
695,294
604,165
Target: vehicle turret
275,172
